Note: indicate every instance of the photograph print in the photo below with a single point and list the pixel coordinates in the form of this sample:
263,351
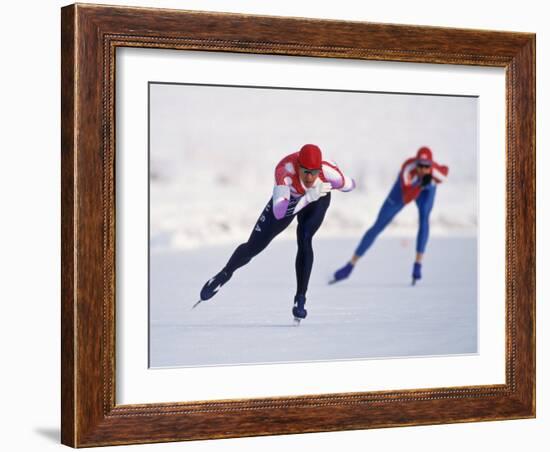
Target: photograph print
298,225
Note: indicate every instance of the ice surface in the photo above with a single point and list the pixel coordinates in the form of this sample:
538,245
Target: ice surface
374,314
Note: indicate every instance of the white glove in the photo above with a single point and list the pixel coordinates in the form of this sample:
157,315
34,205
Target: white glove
318,191
312,194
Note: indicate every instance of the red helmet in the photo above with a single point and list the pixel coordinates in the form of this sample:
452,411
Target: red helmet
310,157
424,156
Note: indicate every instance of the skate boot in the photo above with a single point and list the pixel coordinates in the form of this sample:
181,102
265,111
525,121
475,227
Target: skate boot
298,311
417,272
342,273
212,286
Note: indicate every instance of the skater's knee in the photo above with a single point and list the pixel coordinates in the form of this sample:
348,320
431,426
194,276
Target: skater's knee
424,222
305,240
305,243
253,248
424,216
424,210
244,248
245,253
380,224
372,233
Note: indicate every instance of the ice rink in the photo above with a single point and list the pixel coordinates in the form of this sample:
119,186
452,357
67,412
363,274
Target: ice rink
210,177
374,314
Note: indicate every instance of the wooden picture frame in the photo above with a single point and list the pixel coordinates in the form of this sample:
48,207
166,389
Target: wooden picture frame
90,36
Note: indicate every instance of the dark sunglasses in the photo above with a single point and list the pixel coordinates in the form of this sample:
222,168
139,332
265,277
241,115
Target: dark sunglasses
313,172
423,165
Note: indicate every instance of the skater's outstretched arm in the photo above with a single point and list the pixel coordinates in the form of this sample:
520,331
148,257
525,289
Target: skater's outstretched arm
332,178
338,180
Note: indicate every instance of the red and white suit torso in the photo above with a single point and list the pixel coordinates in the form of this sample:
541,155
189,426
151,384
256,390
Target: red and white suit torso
411,182
289,190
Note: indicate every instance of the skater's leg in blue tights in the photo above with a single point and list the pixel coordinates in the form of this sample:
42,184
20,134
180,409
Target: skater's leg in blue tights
424,203
309,220
389,209
265,230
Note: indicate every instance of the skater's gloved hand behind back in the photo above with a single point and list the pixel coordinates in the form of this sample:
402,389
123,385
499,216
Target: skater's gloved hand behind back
318,191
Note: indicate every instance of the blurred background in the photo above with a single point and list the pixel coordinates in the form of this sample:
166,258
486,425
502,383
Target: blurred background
213,150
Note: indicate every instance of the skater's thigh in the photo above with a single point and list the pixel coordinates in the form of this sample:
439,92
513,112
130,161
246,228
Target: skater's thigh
311,218
389,209
425,201
267,227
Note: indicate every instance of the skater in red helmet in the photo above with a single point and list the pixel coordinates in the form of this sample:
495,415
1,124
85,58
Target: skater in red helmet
303,182
417,181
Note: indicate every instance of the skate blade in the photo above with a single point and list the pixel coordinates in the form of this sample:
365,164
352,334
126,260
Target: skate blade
196,304
296,321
